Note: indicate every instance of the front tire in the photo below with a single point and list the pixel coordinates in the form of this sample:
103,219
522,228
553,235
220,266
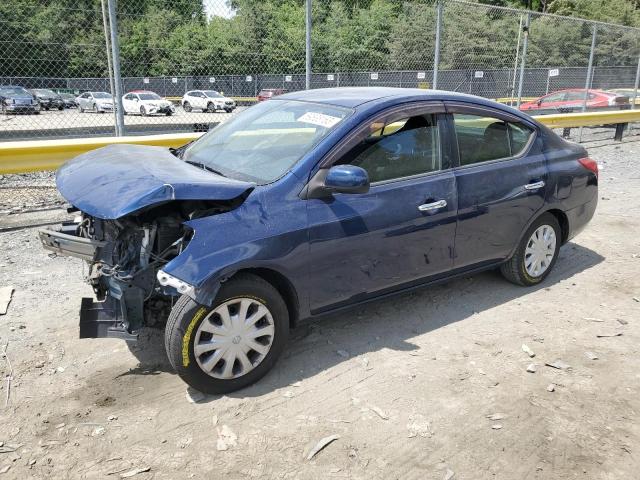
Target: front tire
233,343
536,254
186,106
143,111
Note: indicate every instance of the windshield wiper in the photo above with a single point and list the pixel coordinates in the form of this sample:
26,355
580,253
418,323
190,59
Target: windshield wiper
179,152
205,167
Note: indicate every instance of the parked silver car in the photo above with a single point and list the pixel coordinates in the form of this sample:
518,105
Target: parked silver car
98,102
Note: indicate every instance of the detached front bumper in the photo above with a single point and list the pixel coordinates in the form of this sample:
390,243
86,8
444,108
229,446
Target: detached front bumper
112,315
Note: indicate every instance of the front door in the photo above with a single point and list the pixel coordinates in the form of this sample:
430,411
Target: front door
501,180
398,233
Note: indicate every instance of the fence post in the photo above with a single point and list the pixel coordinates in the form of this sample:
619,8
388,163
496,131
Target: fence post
117,79
512,92
307,79
436,53
635,86
109,67
525,42
587,83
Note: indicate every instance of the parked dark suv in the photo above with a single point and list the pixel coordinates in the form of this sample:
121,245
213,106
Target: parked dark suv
15,99
48,98
309,203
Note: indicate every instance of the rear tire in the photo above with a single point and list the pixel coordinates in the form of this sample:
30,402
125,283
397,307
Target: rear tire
191,324
143,111
521,268
211,108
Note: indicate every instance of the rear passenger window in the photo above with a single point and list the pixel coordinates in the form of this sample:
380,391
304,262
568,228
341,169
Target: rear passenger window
481,139
402,148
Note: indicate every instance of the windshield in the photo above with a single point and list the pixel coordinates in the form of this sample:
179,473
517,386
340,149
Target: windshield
149,96
101,95
263,142
212,94
14,91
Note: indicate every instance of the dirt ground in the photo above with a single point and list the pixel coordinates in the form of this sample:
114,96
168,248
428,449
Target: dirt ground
408,384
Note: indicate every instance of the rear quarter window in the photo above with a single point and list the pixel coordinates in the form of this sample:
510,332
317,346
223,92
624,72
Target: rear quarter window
482,139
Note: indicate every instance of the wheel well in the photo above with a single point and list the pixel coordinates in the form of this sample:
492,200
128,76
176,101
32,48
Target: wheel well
285,289
563,221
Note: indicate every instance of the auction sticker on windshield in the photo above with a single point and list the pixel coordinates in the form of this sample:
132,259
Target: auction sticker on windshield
320,119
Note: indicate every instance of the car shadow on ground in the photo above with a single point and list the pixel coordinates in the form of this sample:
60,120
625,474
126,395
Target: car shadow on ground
318,345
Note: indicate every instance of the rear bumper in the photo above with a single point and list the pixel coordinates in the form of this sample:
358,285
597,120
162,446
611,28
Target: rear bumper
580,216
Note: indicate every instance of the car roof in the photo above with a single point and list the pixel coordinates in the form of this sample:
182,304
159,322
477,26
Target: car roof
352,97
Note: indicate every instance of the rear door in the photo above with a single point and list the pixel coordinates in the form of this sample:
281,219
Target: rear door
402,230
501,176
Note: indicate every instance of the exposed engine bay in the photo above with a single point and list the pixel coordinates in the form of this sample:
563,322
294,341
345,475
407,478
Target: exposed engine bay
124,257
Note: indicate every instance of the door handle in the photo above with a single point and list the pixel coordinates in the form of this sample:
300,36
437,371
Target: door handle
428,207
535,185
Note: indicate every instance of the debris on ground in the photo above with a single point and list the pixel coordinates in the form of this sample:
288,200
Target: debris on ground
496,426
591,356
611,334
5,298
558,364
531,368
496,416
226,438
343,353
551,387
378,411
418,426
321,445
594,319
134,472
528,351
449,474
9,376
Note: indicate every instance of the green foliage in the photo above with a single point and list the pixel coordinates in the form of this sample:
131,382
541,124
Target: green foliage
62,38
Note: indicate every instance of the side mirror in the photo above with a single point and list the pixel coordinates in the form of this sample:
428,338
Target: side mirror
347,179
337,179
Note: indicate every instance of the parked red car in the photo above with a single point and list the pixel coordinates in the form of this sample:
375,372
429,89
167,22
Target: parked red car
571,100
267,93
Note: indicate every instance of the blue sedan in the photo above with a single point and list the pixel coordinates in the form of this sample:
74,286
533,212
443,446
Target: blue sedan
309,203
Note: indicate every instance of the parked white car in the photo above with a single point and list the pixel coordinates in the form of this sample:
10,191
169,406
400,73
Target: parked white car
146,103
98,102
207,101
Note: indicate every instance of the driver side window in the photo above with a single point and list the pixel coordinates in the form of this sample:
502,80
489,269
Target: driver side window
397,149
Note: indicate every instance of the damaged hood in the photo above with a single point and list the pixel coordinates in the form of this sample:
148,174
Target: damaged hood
117,180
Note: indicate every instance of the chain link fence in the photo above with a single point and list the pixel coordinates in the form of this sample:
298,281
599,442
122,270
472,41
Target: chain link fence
187,65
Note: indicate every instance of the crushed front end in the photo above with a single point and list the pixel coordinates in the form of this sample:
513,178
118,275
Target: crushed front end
124,257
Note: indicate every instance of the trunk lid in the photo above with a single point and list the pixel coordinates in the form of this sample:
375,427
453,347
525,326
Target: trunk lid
118,180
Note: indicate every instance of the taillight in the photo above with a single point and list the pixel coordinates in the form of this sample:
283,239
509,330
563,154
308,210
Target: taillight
589,164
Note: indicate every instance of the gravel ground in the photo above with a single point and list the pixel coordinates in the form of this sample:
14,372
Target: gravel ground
430,385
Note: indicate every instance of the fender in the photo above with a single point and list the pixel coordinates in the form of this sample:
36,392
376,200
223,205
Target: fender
251,236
